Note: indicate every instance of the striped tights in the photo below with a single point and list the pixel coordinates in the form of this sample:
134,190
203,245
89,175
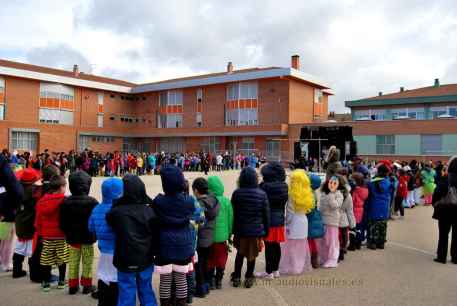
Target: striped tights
180,282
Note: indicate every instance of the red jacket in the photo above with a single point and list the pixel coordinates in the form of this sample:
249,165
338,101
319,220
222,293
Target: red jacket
359,195
47,220
402,190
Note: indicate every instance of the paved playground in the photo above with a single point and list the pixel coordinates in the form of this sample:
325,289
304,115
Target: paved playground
402,274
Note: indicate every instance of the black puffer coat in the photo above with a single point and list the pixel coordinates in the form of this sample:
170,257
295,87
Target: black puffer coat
251,213
274,185
76,210
446,213
25,214
135,226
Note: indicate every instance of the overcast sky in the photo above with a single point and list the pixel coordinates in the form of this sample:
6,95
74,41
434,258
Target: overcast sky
358,47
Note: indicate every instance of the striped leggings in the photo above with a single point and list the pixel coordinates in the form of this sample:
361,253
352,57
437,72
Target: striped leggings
85,254
179,280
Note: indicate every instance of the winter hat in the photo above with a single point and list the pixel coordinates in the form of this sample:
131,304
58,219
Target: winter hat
29,176
385,163
315,181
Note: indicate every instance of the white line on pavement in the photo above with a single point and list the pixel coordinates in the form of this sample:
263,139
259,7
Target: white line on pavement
404,246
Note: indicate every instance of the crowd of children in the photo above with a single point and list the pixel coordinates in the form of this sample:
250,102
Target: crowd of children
303,225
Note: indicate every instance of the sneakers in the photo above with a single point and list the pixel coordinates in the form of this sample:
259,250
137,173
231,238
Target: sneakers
89,289
276,274
438,260
19,274
236,281
73,290
61,285
249,282
329,265
45,286
265,275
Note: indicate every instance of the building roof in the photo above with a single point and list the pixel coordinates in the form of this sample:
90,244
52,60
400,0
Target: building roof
41,73
430,94
65,73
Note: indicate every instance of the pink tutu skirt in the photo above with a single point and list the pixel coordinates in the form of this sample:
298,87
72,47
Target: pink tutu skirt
295,257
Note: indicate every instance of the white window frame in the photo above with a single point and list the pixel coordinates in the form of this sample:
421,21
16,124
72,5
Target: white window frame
432,152
2,111
100,120
318,95
385,148
200,94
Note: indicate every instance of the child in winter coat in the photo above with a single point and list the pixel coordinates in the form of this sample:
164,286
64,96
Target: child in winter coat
134,224
330,204
359,196
313,241
218,253
25,218
295,250
402,192
378,208
55,249
106,273
274,185
347,219
428,183
74,217
174,210
211,207
251,223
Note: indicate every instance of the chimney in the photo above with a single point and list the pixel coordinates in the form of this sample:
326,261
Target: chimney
402,89
380,93
437,82
76,70
295,61
229,67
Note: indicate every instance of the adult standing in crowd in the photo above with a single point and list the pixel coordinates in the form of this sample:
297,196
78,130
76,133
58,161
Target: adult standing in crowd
446,213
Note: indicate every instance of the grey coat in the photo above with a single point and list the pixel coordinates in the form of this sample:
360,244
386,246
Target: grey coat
330,205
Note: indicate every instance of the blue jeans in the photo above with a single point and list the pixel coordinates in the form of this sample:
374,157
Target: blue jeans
130,283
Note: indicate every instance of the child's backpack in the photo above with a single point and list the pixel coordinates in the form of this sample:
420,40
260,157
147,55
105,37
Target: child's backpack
315,224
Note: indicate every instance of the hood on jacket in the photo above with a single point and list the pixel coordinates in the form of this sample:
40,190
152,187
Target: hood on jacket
333,155
273,172
134,191
248,178
315,181
112,189
173,181
210,204
215,186
452,171
80,183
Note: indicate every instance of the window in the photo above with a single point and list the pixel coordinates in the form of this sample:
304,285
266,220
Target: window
169,121
272,151
199,119
199,95
100,120
26,141
172,145
163,98
408,113
175,97
444,112
211,144
241,91
385,144
431,144
2,111
56,104
247,145
318,95
100,102
2,99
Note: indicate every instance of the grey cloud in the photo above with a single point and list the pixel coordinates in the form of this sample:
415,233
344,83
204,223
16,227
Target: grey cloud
58,56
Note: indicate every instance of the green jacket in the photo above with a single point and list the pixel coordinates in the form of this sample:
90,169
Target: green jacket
224,220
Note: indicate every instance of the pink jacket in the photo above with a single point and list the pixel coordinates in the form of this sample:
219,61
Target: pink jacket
359,195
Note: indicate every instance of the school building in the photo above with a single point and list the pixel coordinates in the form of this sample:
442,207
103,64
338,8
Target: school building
250,110
409,124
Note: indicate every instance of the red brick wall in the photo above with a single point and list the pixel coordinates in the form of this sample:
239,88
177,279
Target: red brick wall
301,100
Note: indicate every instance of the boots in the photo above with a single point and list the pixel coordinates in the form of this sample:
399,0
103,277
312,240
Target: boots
219,277
17,266
315,260
352,241
165,302
235,280
181,302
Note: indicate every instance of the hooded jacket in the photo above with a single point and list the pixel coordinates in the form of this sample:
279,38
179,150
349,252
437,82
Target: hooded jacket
224,219
446,213
210,206
47,217
11,191
274,185
379,199
111,190
359,196
330,207
251,212
135,225
25,214
76,210
174,210
347,218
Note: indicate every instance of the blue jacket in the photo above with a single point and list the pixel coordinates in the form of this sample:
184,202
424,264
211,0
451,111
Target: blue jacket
11,191
379,199
174,210
111,190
